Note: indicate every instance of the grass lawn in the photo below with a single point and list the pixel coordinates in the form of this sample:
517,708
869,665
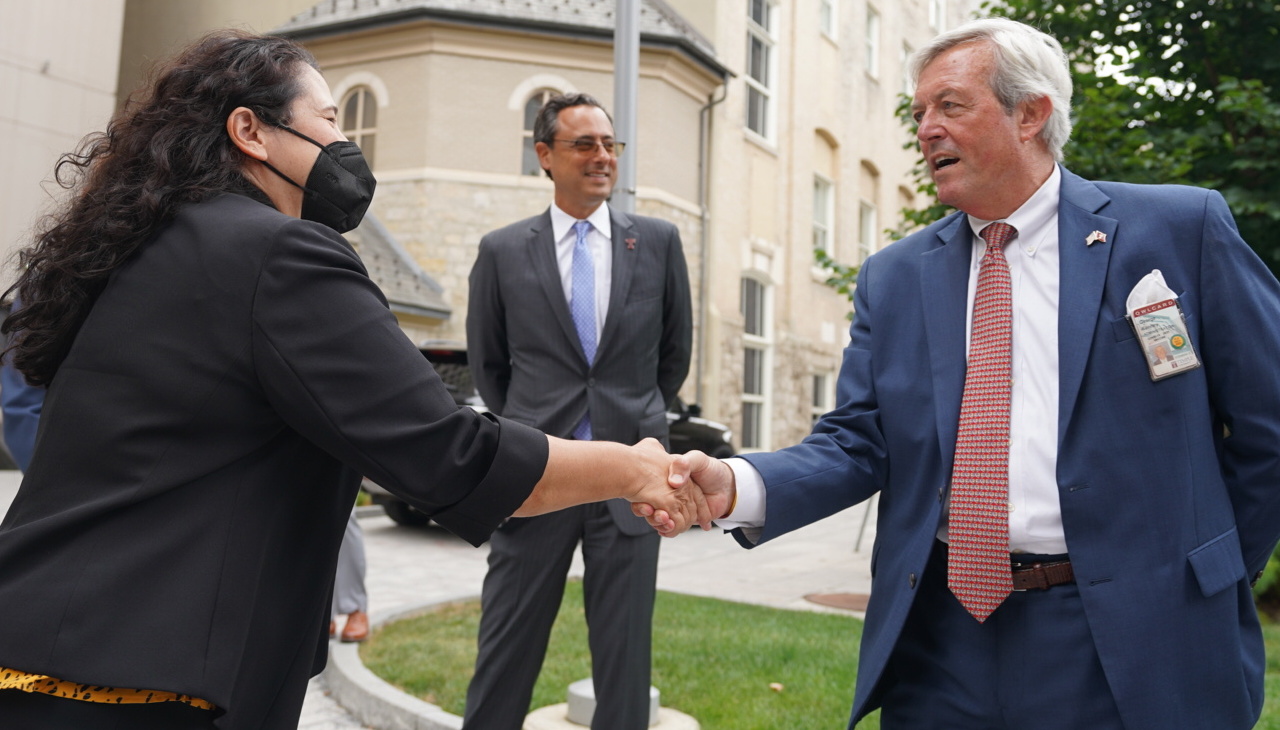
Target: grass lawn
1270,719
714,660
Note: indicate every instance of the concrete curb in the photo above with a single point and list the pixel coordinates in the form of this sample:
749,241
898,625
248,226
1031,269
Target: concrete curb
375,702
369,510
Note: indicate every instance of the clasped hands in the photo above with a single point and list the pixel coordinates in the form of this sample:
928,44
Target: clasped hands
680,490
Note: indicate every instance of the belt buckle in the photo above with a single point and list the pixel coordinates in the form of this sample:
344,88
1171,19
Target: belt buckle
1036,569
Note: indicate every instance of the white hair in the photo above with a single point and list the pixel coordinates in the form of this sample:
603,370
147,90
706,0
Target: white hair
1028,64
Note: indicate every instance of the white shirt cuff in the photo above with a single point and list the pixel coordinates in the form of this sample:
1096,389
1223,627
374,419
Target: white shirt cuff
749,511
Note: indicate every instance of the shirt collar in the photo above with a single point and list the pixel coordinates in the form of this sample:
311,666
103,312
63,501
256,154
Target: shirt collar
562,222
1035,214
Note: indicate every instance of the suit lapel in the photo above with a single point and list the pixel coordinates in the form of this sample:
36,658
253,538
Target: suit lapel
944,286
1081,280
624,241
542,258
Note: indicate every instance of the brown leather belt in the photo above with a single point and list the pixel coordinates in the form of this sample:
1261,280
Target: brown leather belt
1039,576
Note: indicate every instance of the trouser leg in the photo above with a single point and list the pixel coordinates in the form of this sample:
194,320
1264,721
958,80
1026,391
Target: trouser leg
528,561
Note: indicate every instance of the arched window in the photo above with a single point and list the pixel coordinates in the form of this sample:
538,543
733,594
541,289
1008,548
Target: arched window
360,119
529,164
825,167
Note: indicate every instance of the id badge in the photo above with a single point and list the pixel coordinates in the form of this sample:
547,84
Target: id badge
1161,329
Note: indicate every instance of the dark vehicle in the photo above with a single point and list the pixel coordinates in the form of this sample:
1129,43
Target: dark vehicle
689,430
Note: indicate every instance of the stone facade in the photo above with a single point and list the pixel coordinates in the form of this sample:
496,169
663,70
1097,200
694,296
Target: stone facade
833,74
441,222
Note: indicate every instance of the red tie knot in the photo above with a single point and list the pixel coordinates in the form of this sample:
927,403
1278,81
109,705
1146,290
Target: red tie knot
998,234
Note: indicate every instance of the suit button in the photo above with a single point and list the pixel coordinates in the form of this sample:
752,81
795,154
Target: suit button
591,382
911,580
942,494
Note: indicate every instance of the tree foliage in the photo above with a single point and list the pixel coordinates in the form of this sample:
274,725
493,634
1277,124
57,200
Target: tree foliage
1167,91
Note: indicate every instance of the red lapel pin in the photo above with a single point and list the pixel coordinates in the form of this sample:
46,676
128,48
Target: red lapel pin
631,244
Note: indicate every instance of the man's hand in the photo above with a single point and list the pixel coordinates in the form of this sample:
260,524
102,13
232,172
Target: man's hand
711,478
669,501
714,478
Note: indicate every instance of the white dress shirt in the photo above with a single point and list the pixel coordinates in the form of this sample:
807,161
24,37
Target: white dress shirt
1035,517
599,241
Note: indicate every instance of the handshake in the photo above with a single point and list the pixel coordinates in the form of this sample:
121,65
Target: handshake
672,492
697,489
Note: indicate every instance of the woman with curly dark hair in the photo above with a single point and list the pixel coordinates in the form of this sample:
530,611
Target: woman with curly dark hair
220,372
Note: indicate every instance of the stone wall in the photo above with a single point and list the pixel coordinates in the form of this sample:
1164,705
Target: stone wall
440,223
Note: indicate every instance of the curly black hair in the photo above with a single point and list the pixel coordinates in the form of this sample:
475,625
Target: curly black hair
168,147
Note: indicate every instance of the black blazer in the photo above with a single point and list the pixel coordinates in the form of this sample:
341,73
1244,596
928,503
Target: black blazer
198,455
525,353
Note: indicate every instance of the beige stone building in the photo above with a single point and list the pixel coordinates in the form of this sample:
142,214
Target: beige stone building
806,151
764,128
58,64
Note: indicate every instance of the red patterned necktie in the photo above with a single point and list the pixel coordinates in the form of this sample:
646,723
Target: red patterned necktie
978,558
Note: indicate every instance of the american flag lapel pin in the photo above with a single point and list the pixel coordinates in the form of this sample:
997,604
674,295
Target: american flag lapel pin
1095,237
631,243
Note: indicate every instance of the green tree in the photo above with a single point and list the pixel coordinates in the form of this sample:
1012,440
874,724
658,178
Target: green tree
1182,91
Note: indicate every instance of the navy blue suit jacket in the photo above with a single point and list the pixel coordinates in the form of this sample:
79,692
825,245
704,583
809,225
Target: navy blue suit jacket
1170,490
21,403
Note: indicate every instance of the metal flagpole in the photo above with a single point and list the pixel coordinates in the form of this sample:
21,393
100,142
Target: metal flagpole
626,72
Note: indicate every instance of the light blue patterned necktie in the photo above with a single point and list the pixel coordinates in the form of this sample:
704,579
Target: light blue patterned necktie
583,308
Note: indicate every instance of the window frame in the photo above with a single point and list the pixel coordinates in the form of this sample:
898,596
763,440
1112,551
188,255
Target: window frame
761,89
755,435
527,143
937,15
871,40
366,138
820,396
824,214
867,227
828,18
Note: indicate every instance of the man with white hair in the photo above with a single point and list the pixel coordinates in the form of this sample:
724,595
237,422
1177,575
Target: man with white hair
1067,534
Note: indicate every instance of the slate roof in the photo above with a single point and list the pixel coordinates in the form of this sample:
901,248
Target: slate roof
409,289
659,23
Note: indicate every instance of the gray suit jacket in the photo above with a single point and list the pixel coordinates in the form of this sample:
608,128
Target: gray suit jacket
525,354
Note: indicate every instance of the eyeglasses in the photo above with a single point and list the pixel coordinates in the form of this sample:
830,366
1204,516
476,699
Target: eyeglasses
587,145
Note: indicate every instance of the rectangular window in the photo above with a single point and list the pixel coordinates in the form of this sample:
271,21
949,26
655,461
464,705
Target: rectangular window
759,78
866,230
903,59
753,371
873,42
753,307
938,14
753,399
827,17
751,418
821,401
755,365
822,214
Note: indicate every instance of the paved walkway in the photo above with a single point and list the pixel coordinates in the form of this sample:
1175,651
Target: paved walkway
410,567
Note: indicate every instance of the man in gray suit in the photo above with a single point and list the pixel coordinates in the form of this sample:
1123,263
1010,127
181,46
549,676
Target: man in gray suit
578,324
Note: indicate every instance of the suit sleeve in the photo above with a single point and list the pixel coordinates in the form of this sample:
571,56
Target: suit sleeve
21,404
335,365
487,351
1241,331
676,347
